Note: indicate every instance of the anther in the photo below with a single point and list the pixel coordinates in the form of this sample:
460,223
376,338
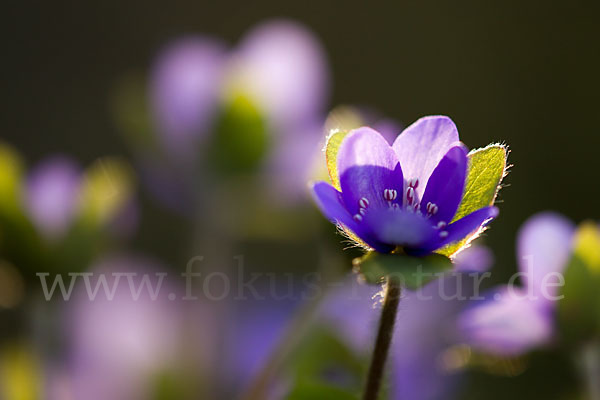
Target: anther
443,234
432,208
413,183
357,217
390,194
410,195
362,211
441,225
363,202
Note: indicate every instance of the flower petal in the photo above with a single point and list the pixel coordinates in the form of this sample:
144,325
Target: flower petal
186,80
282,66
399,227
543,247
51,195
421,146
459,229
367,165
446,185
332,206
507,324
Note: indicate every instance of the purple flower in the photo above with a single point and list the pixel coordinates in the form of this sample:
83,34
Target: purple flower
281,65
51,195
185,89
279,68
405,194
123,336
514,320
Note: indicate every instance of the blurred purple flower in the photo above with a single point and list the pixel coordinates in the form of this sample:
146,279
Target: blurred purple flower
185,89
51,195
425,329
476,258
515,320
254,330
120,343
405,194
282,66
279,66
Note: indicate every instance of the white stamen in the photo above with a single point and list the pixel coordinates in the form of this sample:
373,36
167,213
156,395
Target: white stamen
413,183
363,202
390,194
410,195
357,217
432,208
443,234
441,225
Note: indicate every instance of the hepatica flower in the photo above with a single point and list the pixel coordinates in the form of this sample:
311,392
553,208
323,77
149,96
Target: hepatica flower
558,268
418,194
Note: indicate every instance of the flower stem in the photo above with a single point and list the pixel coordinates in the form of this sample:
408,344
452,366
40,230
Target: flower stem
384,339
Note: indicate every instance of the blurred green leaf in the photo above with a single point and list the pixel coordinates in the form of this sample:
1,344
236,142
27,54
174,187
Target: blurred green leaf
168,386
11,171
579,309
317,390
487,167
332,147
107,186
242,138
413,272
20,374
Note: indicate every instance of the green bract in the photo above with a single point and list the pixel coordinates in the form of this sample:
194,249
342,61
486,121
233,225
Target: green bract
331,150
487,167
579,309
412,272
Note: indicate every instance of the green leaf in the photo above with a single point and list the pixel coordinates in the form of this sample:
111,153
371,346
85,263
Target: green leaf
334,142
413,272
107,187
317,390
241,139
11,176
579,309
487,167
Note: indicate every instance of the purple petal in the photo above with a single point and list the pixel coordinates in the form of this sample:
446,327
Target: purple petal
399,227
476,258
388,128
356,328
185,87
446,185
331,205
543,247
292,164
426,328
283,66
459,229
367,165
421,146
51,195
254,331
508,323
117,340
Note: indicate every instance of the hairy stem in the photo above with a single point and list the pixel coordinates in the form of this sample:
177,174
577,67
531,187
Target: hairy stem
384,339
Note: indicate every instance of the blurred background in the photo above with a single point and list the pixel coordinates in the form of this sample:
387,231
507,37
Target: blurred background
90,104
